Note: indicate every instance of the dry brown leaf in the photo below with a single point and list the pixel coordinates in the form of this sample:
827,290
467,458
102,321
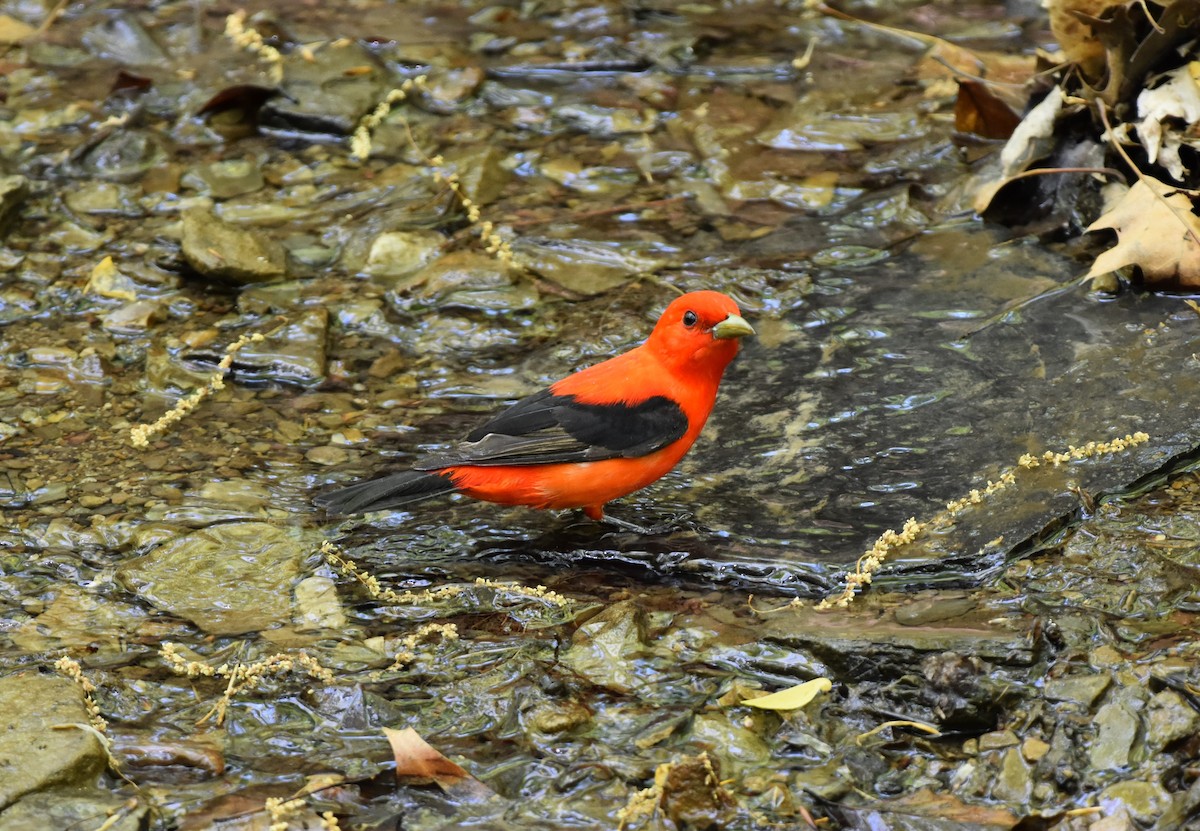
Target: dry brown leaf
1075,36
1156,231
419,763
980,111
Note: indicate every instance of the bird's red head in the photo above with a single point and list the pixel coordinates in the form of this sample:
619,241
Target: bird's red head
699,333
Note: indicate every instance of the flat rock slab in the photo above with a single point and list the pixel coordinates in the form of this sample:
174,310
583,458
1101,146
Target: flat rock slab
219,249
34,755
228,579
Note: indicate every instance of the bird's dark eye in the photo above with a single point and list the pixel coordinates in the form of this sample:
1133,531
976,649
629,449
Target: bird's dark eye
689,319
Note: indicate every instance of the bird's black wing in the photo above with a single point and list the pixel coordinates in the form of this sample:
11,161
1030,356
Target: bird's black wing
546,428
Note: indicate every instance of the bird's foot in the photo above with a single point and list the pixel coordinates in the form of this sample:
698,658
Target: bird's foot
677,522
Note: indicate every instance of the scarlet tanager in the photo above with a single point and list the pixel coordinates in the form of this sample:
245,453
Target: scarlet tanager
599,434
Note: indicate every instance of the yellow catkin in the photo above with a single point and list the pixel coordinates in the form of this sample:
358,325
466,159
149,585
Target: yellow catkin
889,541
242,677
281,811
360,141
249,39
406,649
71,669
139,434
338,559
360,151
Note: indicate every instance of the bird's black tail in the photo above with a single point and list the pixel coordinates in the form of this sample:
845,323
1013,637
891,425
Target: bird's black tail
386,492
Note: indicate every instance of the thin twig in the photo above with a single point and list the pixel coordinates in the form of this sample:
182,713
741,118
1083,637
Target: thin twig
1043,171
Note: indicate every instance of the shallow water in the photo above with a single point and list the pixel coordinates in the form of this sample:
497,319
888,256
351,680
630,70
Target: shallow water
906,353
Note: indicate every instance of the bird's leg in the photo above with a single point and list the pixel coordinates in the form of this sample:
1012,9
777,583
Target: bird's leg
666,526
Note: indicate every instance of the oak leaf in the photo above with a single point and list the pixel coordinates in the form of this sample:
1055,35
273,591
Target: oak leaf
1156,231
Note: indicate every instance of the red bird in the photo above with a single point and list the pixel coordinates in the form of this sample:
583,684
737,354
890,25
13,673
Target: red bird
594,436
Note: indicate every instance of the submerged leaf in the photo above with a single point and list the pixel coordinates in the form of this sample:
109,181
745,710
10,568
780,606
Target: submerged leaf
419,763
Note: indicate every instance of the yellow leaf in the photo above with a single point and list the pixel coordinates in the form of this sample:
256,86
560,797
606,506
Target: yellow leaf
1156,231
13,30
793,698
107,281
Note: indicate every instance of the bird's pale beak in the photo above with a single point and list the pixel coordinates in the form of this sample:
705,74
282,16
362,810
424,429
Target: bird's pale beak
734,326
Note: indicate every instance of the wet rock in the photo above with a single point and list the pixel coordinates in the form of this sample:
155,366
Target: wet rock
927,810
107,280
295,354
120,155
13,190
305,250
317,605
243,494
933,609
843,639
590,267
398,253
76,238
692,796
555,717
137,316
807,127
1169,719
225,179
608,122
121,38
328,89
730,741
1014,785
328,456
229,579
1146,802
30,706
594,180
446,90
75,808
829,781
1033,749
1117,725
605,650
480,170
104,199
228,252
77,620
1083,690
998,740
466,280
